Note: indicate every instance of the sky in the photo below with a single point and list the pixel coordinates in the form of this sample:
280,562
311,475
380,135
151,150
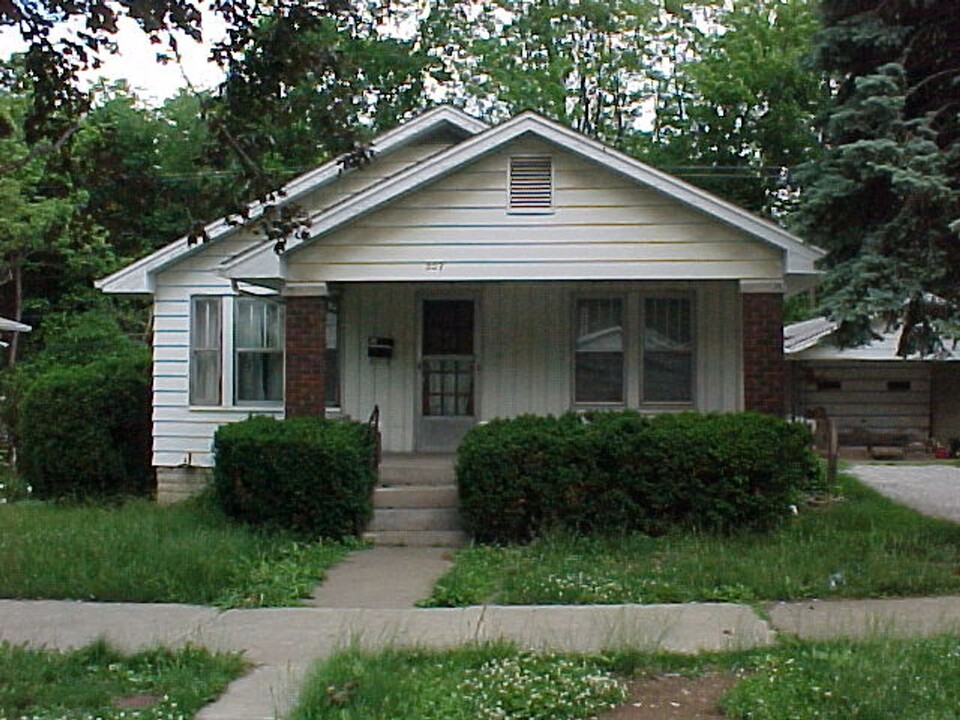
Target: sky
136,61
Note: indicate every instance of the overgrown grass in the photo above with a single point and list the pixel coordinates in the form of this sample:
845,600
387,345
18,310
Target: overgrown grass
97,682
881,678
877,679
140,552
862,545
488,682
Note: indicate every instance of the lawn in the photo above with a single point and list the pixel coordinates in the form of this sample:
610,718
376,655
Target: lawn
97,682
141,552
858,545
877,679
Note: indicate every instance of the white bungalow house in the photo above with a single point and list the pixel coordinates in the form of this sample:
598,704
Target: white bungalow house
469,272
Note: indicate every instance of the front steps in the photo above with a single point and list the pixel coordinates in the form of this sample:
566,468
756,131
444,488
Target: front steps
415,502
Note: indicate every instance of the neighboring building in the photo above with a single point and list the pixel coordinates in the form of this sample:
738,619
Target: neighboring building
875,396
470,272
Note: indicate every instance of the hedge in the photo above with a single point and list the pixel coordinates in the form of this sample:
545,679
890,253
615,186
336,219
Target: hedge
85,431
309,475
629,472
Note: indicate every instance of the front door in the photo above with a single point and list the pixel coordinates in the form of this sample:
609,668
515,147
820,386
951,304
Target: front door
447,374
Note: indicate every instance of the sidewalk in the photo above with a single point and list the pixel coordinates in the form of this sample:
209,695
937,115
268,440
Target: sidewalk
282,643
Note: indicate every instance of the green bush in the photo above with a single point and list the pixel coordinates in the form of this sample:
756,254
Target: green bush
625,471
309,475
85,431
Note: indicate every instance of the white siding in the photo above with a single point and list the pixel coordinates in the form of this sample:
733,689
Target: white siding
524,347
183,435
863,404
602,227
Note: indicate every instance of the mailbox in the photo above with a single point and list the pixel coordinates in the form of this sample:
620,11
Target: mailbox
380,347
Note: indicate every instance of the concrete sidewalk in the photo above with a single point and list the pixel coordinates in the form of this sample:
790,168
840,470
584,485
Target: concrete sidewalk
282,643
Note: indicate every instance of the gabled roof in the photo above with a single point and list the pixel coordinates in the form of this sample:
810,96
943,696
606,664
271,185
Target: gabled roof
800,256
136,277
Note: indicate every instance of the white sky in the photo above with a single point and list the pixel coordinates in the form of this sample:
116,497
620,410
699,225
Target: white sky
136,60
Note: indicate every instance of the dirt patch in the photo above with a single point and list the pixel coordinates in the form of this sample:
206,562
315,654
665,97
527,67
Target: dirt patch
673,697
135,702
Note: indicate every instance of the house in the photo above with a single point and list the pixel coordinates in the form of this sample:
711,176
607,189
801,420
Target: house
469,272
875,396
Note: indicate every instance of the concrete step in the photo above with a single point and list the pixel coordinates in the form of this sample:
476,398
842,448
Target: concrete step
415,469
416,519
416,496
418,538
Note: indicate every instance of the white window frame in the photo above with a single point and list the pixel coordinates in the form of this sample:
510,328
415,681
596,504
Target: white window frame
228,357
625,326
194,350
691,300
258,350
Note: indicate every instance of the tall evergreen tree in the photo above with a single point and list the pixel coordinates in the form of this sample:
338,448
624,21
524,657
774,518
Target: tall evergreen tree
885,199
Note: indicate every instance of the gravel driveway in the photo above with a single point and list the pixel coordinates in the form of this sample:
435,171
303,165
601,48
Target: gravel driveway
931,489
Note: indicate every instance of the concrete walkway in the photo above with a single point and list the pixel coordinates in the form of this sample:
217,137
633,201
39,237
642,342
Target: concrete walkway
932,489
282,643
382,577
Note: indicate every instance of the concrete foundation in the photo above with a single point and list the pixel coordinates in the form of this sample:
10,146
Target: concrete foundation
179,483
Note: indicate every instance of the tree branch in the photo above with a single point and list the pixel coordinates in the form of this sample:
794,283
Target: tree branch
40,150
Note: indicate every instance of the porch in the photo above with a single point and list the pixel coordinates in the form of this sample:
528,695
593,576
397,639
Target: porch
437,358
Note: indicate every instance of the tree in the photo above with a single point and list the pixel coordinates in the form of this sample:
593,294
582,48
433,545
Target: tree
885,198
748,103
583,63
37,226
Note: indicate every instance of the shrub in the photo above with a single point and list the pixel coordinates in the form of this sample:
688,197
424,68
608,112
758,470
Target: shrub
85,431
309,475
625,471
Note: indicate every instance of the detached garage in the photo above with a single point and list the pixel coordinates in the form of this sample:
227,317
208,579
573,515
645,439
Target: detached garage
875,396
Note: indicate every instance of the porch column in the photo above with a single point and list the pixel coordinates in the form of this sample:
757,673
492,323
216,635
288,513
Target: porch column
306,342
764,369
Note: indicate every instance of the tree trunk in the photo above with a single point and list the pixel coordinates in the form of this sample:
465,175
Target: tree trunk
17,310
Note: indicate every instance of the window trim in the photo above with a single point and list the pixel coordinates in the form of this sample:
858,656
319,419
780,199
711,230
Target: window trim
192,399
549,209
227,358
235,351
625,351
642,402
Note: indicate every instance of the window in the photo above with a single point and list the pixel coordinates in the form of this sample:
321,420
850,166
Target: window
331,366
205,351
667,350
827,385
531,184
258,349
898,385
598,373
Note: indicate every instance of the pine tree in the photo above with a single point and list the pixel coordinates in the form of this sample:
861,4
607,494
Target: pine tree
885,197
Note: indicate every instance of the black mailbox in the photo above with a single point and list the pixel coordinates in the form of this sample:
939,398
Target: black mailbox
380,347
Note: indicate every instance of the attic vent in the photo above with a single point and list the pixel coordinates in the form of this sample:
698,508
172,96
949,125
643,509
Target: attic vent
531,183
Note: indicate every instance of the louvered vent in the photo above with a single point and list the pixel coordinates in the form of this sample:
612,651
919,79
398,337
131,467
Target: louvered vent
531,183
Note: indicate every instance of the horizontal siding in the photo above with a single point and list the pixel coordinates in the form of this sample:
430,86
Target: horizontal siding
601,227
863,403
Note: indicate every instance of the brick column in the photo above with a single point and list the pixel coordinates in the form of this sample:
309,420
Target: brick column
306,342
764,370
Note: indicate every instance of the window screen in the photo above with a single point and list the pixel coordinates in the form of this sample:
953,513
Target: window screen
599,351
